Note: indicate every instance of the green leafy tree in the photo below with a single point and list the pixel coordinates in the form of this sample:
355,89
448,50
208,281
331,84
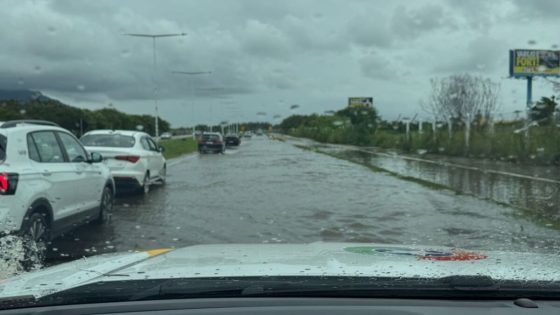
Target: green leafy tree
71,117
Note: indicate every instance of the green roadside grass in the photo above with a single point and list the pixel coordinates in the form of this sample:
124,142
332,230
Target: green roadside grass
177,147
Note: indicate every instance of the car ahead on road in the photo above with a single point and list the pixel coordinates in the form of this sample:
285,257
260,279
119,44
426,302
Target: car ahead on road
134,158
247,134
166,136
233,140
211,141
49,184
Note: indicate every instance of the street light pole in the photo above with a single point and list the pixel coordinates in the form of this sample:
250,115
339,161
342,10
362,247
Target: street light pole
154,78
191,74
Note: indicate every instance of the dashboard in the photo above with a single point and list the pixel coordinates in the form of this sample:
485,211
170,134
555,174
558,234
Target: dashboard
295,306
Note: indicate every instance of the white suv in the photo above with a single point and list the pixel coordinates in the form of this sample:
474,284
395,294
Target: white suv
134,158
49,183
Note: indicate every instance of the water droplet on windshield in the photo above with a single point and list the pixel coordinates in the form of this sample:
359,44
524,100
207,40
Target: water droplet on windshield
37,69
532,42
125,53
80,87
51,30
20,81
139,127
23,111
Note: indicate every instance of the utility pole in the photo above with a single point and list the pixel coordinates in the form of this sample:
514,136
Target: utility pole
154,78
191,74
434,130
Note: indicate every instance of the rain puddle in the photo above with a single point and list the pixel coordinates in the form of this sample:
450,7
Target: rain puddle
533,188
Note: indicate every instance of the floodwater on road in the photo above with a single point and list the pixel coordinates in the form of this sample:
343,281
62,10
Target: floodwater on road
534,188
268,191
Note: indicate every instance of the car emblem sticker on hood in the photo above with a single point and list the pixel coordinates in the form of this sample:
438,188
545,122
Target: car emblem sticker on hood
422,254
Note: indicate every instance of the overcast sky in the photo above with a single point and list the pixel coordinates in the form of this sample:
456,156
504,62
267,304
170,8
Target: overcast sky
266,55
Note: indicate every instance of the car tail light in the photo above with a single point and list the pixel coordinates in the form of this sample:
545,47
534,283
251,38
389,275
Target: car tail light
8,183
128,158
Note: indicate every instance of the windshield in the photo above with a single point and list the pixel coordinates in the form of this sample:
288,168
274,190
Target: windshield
112,141
340,138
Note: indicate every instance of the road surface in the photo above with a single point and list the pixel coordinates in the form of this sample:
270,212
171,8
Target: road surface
269,191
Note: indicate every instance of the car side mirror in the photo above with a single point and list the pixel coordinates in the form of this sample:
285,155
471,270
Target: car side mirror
95,158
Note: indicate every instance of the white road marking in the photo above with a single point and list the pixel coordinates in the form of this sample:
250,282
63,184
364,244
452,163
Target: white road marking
472,168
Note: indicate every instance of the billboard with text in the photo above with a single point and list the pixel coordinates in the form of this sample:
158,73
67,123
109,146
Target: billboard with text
360,102
529,62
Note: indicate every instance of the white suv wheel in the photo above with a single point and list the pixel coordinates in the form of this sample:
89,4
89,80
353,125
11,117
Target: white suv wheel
35,233
106,205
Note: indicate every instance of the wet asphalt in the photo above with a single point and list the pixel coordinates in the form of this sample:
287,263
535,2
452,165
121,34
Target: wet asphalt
269,191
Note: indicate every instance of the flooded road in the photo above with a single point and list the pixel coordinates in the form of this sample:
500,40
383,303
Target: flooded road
535,189
269,191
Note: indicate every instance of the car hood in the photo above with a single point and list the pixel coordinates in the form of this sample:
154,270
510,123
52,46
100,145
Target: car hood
315,259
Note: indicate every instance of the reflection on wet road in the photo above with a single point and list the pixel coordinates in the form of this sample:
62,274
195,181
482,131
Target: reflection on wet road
269,191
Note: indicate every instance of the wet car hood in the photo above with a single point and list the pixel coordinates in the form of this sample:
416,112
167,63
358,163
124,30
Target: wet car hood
315,259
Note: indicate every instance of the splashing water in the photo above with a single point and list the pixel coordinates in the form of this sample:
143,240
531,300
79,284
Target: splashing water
11,256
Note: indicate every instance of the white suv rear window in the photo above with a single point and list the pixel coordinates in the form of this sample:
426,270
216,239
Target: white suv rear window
3,146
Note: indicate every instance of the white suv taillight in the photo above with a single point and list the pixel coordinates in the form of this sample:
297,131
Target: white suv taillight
8,183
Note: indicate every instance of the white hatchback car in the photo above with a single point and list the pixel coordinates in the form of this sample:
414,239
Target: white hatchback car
49,183
134,158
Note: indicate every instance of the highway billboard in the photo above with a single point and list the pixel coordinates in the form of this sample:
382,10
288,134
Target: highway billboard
530,62
360,102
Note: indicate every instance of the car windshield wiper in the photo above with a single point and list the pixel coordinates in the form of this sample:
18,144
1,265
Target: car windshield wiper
16,301
451,287
471,287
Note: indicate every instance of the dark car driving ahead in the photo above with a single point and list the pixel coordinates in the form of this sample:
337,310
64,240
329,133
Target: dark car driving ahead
211,142
233,140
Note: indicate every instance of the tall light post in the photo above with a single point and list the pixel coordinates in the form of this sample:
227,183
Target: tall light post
154,37
191,74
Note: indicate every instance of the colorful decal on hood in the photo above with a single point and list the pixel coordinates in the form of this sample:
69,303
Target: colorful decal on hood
423,254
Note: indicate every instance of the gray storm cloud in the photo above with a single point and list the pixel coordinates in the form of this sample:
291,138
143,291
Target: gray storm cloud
263,55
